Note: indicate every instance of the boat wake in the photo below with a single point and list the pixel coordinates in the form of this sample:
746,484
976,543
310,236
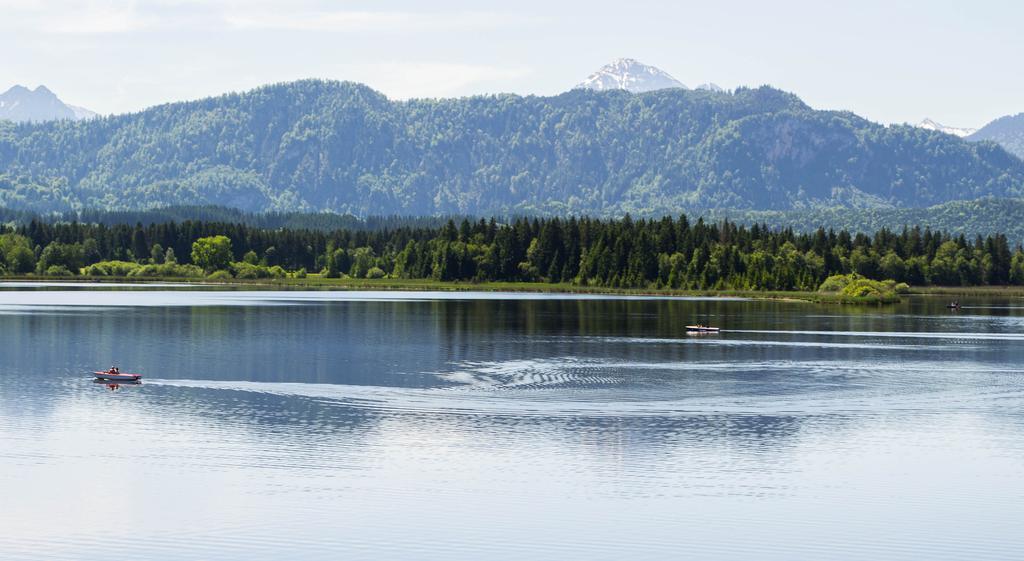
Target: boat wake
595,387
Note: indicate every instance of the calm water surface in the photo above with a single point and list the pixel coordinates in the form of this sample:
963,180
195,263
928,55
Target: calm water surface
325,425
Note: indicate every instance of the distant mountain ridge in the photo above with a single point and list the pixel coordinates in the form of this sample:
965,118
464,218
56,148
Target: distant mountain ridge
1007,131
630,75
343,147
20,104
955,131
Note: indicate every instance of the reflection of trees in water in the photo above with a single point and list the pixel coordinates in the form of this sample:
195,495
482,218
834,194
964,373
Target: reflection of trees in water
348,342
351,342
497,330
648,332
591,317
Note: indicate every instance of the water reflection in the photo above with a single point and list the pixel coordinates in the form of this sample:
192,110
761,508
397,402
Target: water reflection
300,426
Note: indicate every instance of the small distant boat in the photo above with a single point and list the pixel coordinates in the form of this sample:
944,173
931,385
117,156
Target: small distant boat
953,306
701,329
117,377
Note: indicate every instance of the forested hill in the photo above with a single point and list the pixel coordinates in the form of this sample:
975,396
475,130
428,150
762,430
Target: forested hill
316,145
1007,131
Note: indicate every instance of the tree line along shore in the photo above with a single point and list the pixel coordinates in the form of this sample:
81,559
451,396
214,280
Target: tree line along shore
656,255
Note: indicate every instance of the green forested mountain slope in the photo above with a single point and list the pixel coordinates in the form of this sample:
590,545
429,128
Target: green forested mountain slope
1007,131
316,145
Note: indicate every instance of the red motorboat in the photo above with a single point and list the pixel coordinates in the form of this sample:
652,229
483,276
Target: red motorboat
115,375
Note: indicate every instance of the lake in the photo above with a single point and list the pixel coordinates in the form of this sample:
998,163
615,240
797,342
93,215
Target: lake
469,426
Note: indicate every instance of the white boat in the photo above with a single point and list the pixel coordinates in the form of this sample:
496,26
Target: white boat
701,329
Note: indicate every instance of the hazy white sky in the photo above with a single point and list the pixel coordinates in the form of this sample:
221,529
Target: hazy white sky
889,60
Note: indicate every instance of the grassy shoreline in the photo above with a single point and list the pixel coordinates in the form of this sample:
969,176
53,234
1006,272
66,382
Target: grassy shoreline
320,283
1005,291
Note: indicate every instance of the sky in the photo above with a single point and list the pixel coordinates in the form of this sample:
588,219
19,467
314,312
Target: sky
891,61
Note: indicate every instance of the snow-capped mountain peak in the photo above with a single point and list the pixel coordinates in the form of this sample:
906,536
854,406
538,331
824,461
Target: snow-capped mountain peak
82,113
630,75
22,104
933,126
711,87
